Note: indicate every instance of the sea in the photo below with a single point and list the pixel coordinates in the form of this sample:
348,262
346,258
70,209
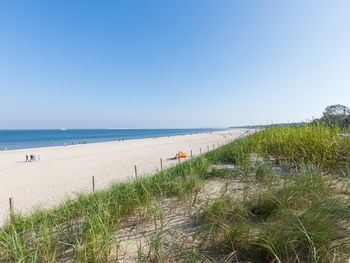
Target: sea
23,139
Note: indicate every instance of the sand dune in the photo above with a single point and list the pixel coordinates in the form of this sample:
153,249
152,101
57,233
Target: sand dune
64,171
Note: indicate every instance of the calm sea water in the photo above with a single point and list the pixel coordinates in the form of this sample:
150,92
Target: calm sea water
21,139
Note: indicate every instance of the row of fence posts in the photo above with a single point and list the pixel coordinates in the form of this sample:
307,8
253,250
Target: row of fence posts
11,202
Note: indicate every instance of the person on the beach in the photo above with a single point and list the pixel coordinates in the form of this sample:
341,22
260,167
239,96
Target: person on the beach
27,158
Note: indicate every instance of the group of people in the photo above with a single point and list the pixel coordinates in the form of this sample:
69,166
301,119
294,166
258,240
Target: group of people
32,158
73,143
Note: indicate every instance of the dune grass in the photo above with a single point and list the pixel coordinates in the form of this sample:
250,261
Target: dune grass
296,215
326,147
303,220
300,216
317,144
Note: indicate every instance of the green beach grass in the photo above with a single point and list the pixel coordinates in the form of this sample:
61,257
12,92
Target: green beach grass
293,207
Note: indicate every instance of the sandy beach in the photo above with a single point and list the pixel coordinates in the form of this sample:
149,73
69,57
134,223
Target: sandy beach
67,170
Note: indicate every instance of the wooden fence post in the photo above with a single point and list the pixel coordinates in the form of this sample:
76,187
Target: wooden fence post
93,184
191,154
208,148
135,171
12,208
200,150
161,164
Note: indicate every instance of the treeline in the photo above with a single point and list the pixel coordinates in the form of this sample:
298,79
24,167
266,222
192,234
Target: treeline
335,115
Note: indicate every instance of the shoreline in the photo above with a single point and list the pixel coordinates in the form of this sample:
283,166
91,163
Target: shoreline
85,141
65,171
109,141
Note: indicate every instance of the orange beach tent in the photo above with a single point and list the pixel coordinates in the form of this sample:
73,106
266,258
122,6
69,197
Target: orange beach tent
181,154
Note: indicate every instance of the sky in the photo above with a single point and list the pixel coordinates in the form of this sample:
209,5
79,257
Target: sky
171,63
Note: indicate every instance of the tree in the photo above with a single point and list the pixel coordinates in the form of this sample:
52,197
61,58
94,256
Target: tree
337,114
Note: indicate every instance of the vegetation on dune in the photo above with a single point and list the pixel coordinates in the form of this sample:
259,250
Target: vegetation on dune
291,207
319,145
323,146
302,221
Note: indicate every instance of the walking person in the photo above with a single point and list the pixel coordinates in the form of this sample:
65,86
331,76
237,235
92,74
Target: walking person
27,158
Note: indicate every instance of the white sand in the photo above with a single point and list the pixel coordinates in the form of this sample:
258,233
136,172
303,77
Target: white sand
64,171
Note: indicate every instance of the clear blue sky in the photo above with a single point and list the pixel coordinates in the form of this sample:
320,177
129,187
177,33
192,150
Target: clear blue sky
145,64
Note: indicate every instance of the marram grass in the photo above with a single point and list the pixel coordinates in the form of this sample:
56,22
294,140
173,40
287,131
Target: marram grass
303,221
327,147
319,145
299,217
